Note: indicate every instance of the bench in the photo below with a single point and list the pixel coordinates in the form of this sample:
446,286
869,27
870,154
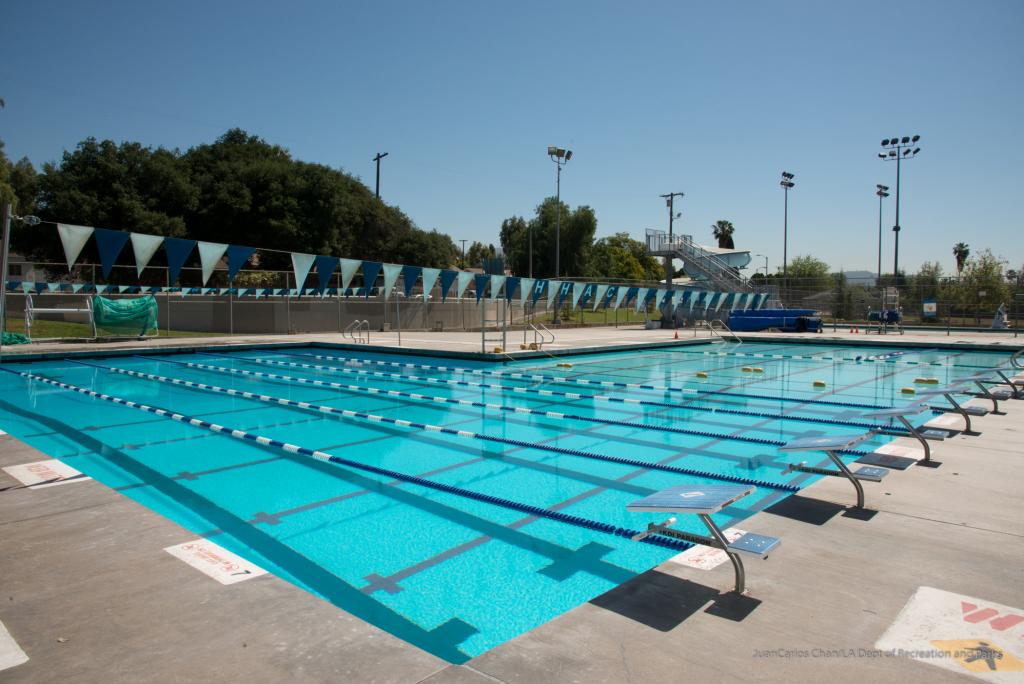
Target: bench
704,501
832,445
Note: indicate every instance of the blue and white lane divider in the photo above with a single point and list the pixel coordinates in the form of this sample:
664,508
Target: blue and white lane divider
528,390
398,422
606,528
515,375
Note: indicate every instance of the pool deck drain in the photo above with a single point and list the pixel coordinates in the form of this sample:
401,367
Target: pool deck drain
89,594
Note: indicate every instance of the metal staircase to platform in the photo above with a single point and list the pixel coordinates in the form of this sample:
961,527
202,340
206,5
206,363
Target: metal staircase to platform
698,263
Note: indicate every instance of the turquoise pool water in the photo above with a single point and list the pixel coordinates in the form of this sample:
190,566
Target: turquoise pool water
451,574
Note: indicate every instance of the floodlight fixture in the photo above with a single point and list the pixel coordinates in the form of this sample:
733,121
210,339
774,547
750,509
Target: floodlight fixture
885,142
915,138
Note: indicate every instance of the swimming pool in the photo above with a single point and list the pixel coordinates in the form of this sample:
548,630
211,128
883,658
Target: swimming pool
468,502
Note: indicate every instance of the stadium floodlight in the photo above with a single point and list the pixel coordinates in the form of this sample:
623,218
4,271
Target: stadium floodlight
896,149
561,157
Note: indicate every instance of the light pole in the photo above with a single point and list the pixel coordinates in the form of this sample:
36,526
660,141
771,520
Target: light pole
765,266
883,192
669,199
786,183
377,159
463,253
897,149
561,157
7,218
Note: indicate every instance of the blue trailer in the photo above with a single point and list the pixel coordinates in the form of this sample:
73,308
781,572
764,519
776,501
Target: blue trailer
785,320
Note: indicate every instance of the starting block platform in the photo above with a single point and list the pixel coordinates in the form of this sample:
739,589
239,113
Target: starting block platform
832,445
902,414
955,407
703,501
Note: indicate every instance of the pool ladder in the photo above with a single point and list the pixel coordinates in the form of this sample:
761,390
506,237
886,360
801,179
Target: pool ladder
357,331
733,337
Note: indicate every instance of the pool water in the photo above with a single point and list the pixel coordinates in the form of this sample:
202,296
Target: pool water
452,574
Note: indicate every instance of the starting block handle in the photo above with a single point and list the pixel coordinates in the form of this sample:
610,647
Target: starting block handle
843,471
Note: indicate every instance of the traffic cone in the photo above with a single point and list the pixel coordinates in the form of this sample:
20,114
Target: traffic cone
677,335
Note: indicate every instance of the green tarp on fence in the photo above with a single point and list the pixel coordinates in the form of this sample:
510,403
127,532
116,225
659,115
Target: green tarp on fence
136,316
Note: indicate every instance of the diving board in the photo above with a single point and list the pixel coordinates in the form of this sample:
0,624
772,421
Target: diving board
704,501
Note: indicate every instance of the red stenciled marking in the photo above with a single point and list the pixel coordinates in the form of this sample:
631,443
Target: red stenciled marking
44,471
998,623
212,558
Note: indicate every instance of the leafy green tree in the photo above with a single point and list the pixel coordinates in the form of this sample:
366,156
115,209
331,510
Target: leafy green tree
577,240
620,257
478,251
809,272
722,231
983,274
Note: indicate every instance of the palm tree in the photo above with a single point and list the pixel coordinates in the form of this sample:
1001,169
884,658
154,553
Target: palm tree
961,251
723,230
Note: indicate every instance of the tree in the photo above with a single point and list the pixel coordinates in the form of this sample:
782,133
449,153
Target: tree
961,251
478,251
723,230
577,239
809,272
984,273
620,257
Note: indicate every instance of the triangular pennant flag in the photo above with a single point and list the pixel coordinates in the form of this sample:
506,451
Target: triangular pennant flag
210,254
430,276
410,274
658,297
577,292
348,271
511,285
525,289
464,280
121,289
564,290
684,298
599,292
391,273
325,266
371,269
145,247
480,284
496,282
178,251
447,278
693,300
301,263
238,256
554,289
641,297
721,300
109,243
75,287
539,288
73,238
610,296
630,294
620,295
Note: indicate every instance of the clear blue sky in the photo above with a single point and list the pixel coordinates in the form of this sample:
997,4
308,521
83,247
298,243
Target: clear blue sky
711,99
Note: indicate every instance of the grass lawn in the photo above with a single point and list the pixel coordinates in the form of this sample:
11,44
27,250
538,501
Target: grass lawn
59,329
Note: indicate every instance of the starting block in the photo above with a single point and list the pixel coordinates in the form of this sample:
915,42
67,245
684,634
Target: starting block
900,413
832,446
965,411
705,500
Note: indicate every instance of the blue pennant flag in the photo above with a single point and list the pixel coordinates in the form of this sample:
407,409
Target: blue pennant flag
588,291
609,296
630,294
481,280
178,251
511,285
325,266
410,274
447,278
109,243
238,256
371,269
538,290
563,292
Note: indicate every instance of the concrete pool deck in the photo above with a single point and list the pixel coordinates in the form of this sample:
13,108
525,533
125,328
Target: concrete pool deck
89,593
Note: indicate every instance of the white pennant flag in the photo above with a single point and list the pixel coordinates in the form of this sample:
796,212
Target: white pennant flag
641,297
391,273
599,295
526,289
621,294
659,297
73,238
553,287
348,271
145,247
496,282
429,278
210,253
301,263
464,280
577,292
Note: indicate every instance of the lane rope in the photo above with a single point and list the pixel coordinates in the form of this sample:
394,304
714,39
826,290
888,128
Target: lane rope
584,382
466,434
655,540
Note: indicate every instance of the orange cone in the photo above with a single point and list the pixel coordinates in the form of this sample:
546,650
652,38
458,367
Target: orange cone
677,335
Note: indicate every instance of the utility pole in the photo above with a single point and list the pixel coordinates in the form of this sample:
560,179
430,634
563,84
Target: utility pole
463,253
377,159
669,201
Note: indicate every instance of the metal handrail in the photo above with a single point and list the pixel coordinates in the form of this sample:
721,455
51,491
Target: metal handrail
540,332
365,327
714,267
1015,359
355,331
711,326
